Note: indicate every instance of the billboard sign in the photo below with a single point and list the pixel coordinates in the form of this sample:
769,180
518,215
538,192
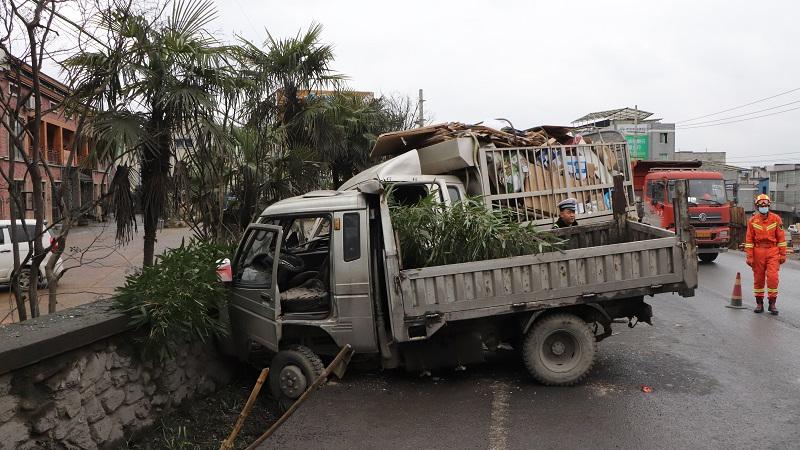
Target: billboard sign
638,145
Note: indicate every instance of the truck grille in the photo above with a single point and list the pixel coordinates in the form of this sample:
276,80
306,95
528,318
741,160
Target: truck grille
705,218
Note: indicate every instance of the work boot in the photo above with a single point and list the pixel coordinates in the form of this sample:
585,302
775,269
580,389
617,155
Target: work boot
772,309
759,306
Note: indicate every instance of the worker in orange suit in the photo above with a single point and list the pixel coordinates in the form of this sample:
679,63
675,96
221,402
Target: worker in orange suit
765,247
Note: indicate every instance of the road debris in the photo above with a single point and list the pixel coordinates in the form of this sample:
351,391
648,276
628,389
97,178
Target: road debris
228,443
337,366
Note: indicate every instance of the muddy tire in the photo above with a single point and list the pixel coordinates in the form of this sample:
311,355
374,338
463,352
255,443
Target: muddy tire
708,257
559,350
291,372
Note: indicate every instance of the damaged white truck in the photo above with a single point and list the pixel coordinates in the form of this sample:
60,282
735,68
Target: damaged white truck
322,270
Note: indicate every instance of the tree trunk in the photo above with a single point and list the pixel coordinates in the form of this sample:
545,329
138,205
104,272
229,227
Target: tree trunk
14,197
155,172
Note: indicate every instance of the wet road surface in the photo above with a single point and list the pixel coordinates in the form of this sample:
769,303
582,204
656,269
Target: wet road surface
720,378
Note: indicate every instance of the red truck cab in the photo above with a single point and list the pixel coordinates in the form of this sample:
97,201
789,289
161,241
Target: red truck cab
709,209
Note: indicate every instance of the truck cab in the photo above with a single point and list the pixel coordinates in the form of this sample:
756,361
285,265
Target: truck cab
709,209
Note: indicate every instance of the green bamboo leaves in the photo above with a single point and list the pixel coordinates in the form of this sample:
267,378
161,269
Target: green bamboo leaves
431,234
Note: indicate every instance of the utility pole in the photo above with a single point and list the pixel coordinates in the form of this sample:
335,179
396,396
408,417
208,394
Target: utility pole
636,129
421,120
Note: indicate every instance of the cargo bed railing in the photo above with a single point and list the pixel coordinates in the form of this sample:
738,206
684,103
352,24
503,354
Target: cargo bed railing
531,181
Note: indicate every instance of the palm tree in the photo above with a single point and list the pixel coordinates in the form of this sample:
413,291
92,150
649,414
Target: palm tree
157,78
284,75
342,128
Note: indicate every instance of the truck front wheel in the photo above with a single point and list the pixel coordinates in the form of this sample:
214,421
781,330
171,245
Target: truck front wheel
291,372
559,350
708,257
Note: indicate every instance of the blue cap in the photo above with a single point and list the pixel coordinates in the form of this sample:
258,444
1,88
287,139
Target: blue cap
569,203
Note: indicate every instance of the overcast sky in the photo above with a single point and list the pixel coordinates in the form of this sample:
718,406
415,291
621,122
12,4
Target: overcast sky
550,62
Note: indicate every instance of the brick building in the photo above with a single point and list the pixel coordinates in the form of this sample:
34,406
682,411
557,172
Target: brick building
58,133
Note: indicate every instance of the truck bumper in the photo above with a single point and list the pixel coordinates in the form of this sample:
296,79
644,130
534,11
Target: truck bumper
712,249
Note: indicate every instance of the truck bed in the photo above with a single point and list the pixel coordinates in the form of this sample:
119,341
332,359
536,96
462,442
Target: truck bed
594,268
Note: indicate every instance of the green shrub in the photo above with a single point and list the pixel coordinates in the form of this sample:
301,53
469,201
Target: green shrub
177,298
431,234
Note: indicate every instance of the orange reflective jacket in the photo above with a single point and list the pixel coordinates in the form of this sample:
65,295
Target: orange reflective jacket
765,232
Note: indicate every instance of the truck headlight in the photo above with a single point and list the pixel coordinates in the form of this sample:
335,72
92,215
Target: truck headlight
723,234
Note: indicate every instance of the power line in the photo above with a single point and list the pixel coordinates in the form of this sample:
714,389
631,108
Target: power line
740,120
740,106
761,162
759,156
742,115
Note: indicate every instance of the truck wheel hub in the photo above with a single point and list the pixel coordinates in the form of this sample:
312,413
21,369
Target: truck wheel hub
560,352
293,382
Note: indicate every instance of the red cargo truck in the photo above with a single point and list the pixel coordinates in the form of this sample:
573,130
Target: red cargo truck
709,208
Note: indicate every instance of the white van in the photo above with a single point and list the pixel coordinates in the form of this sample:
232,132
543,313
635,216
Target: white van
23,234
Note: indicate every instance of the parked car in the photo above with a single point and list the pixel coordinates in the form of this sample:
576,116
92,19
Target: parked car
23,234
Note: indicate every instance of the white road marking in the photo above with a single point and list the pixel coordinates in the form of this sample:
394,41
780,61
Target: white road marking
498,422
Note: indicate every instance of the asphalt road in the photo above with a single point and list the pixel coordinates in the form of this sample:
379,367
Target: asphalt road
720,378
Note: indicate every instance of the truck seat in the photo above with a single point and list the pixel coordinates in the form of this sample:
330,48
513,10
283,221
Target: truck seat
311,295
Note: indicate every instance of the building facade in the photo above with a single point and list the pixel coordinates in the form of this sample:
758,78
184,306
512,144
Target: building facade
784,190
88,180
711,157
647,138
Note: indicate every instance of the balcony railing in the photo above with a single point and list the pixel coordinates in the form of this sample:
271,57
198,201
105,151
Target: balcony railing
54,156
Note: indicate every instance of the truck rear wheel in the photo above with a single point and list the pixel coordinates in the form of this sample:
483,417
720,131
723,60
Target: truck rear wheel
559,350
708,257
291,372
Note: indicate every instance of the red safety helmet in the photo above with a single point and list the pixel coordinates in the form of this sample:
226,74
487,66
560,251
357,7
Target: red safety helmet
763,200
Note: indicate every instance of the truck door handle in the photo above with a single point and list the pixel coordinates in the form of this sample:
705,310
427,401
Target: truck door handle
5,251
266,296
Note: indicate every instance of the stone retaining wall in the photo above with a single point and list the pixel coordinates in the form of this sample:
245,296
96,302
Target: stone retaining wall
94,396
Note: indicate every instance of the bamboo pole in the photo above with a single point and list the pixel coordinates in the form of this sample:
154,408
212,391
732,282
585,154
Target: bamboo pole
228,443
343,355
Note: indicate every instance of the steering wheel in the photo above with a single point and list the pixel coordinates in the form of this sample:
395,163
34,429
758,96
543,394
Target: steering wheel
287,262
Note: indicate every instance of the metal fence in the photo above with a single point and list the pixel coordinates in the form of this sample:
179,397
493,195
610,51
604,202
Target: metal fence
531,181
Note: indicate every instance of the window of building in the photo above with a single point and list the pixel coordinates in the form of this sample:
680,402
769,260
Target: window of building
663,156
663,138
17,131
779,197
25,198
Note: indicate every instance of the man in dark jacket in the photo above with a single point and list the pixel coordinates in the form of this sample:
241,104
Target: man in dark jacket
566,213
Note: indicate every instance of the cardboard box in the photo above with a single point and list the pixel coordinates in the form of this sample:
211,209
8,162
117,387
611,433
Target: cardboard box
541,179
